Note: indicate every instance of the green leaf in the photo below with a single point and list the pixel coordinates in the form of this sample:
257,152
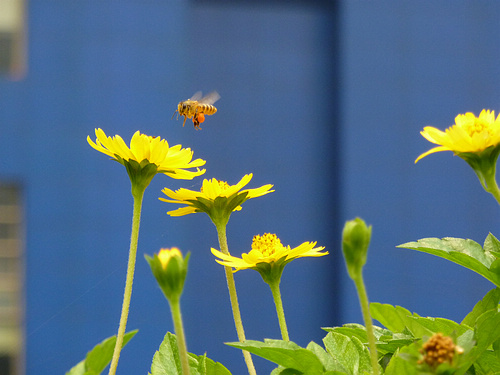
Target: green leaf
487,332
491,244
487,329
490,301
206,366
487,363
387,342
404,361
398,319
99,357
78,369
284,353
166,361
348,352
325,358
466,253
445,326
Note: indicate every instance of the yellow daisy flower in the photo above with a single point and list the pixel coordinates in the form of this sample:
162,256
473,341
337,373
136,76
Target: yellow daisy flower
267,249
216,198
172,161
470,134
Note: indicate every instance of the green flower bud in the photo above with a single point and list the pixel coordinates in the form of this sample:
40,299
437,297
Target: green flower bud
355,241
170,269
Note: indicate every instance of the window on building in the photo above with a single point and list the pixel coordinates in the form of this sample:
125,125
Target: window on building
12,38
11,281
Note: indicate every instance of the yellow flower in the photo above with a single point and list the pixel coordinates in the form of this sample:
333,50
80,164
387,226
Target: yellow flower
268,250
470,134
145,150
216,198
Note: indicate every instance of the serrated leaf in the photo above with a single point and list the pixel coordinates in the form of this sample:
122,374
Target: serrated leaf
166,361
405,363
487,329
325,358
490,301
100,356
445,326
284,353
464,252
397,319
348,352
206,366
487,363
491,244
387,342
351,330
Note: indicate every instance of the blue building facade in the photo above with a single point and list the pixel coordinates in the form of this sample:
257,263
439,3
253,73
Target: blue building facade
323,100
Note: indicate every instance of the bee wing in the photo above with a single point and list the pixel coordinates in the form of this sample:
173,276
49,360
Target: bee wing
210,98
196,96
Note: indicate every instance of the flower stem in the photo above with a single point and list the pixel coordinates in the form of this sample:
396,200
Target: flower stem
175,308
221,232
491,186
275,290
136,219
363,301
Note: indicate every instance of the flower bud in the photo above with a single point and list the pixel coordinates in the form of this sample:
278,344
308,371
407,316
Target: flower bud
170,269
355,241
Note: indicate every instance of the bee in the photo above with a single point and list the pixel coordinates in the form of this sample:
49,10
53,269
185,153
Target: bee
197,107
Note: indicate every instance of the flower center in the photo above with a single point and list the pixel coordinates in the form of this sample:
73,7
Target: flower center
267,244
478,126
439,349
223,185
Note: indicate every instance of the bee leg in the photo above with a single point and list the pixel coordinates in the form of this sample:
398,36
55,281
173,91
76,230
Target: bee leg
196,123
185,117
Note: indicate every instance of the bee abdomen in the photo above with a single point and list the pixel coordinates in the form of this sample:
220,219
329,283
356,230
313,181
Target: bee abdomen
208,109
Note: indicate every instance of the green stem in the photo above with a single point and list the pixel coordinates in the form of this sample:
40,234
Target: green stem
491,186
221,232
136,219
275,290
175,308
365,308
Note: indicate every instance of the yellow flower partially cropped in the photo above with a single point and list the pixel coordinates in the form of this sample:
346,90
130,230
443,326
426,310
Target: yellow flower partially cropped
172,161
267,250
470,134
216,198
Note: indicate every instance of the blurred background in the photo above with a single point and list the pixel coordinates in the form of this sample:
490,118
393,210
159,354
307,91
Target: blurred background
323,99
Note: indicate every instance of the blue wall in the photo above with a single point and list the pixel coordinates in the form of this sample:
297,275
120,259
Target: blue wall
124,66
324,103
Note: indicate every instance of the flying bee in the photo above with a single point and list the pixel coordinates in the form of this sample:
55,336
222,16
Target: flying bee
197,107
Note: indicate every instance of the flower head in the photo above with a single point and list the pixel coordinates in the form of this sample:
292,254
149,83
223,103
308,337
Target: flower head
216,198
269,256
470,134
170,269
439,349
148,156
